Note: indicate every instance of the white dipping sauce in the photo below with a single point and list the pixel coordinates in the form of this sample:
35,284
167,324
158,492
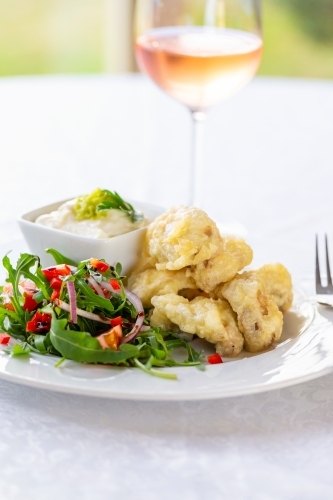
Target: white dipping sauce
114,223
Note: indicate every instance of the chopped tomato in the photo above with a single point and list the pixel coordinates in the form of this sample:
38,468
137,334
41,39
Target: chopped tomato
214,359
119,331
8,305
56,271
111,339
39,323
116,321
115,284
99,265
4,338
29,302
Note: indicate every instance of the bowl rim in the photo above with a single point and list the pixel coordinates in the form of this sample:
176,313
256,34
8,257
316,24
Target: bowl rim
28,219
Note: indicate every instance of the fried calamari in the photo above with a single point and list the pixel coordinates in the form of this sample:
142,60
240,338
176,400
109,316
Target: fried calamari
182,236
258,316
212,320
151,282
189,276
233,256
278,284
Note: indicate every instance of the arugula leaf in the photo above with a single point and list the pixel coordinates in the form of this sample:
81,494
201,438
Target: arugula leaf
23,268
151,371
18,350
116,202
39,342
118,269
14,277
13,326
60,258
82,347
91,298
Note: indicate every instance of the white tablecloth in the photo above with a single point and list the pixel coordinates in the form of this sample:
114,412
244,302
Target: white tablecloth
268,166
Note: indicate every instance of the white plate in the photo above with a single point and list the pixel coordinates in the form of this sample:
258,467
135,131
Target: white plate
304,352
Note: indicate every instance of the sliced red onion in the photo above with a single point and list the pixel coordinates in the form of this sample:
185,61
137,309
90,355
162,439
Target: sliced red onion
144,328
72,301
80,312
134,299
72,268
96,286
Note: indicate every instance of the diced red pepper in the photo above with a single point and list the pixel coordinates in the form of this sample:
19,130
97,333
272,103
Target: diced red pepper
116,321
56,271
56,283
39,323
99,265
115,284
29,302
55,295
4,338
214,359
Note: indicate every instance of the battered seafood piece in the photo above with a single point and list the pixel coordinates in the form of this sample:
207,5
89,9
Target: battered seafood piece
212,320
233,256
182,236
145,261
188,274
152,282
258,316
278,284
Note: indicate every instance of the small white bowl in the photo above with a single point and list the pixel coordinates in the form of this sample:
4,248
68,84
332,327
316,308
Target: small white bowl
124,248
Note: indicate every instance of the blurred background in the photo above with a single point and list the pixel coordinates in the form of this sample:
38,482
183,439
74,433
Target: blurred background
95,36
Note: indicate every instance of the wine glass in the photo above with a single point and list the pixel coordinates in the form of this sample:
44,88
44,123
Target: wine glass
199,52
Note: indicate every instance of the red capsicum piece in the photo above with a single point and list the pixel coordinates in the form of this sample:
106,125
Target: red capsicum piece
214,359
55,295
29,302
99,265
56,271
4,338
56,283
115,284
39,323
116,321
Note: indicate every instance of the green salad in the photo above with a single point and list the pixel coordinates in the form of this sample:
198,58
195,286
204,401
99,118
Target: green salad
83,312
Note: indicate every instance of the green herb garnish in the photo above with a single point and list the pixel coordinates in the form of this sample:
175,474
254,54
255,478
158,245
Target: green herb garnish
95,204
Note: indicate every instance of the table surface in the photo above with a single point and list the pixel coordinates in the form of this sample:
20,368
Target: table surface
268,166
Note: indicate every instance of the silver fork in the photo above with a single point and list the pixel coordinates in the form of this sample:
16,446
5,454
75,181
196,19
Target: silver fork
324,294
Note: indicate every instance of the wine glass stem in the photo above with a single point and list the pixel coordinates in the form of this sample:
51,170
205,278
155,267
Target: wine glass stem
196,172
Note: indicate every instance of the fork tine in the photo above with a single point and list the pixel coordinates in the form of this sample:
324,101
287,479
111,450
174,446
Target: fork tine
318,280
328,270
